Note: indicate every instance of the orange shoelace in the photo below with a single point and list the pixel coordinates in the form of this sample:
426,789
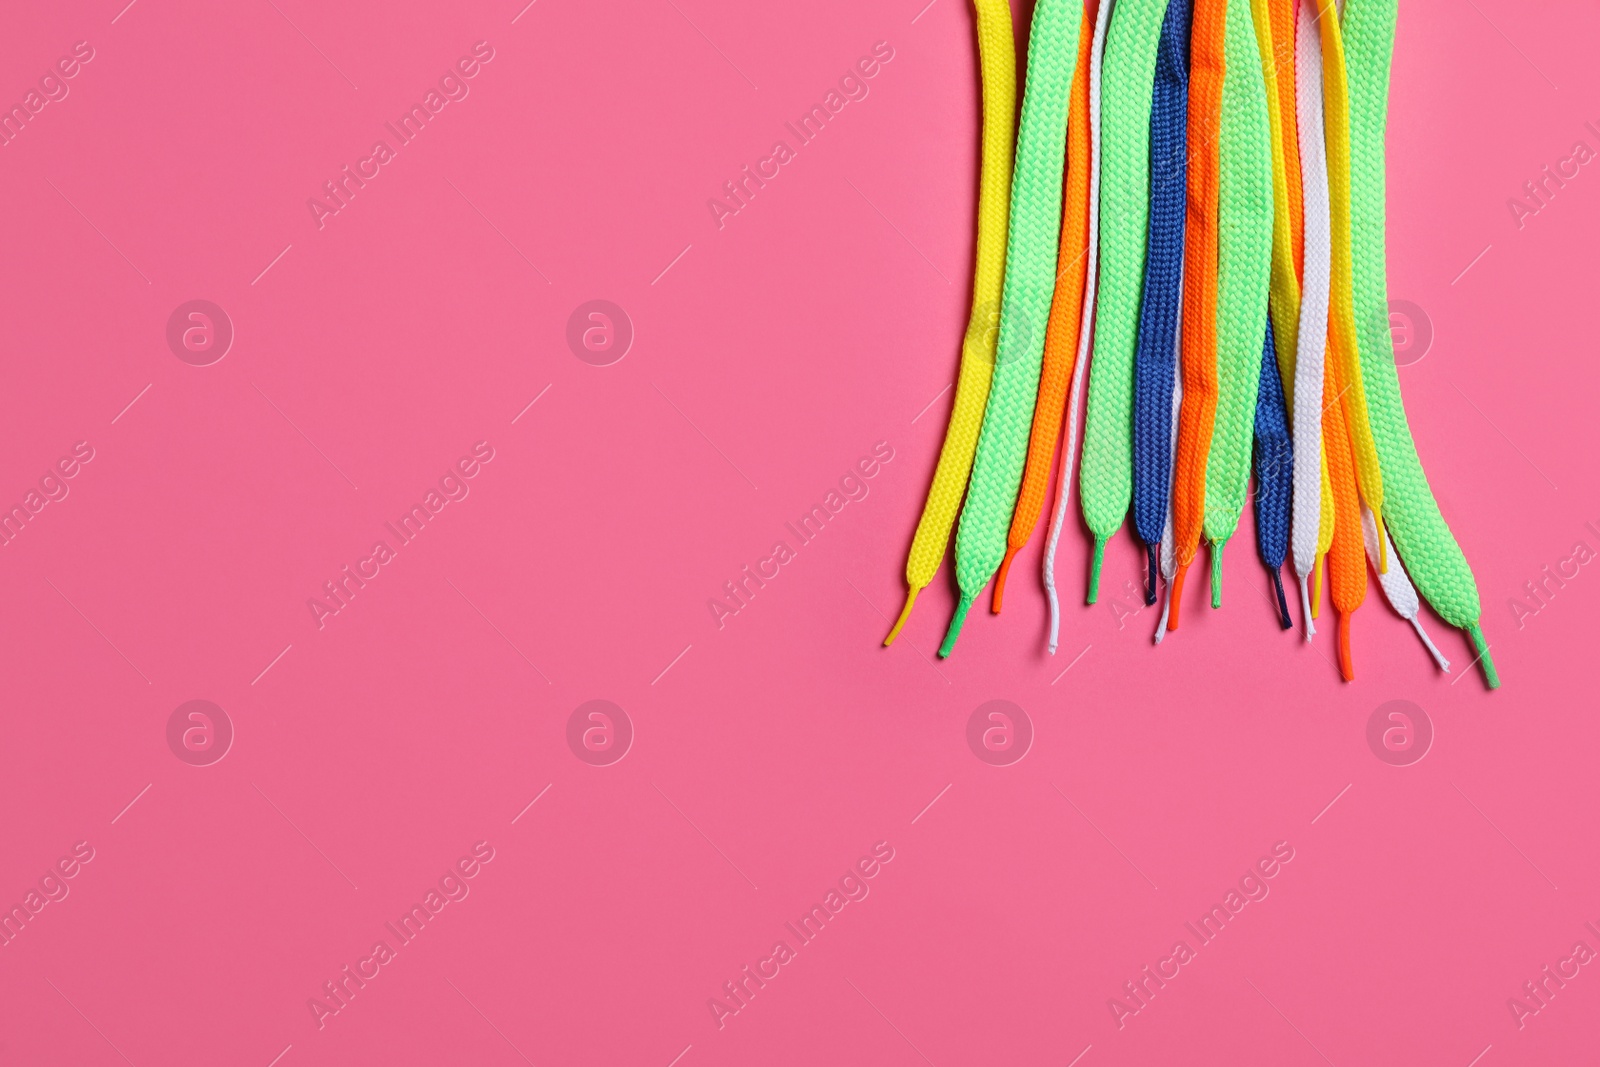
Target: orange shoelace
1197,414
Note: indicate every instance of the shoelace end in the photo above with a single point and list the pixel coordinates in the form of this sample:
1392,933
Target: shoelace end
1176,593
1316,589
1283,604
1305,610
1094,571
1216,573
1491,676
1153,552
956,622
1346,668
1000,581
1433,649
905,613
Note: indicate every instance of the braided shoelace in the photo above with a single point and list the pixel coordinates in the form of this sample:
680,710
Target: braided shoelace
1244,268
997,59
1157,356
1274,454
1080,368
1342,341
1035,224
1347,564
1423,538
1196,415
1106,480
1312,329
1066,309
1274,21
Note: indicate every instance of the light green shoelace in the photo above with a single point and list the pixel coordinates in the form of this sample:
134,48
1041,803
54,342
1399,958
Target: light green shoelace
1105,482
1029,284
1244,267
1427,546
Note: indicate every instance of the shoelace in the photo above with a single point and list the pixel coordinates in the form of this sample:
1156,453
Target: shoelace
1102,21
1207,70
1343,345
1106,480
1347,564
1312,329
1397,587
997,59
1424,540
1157,356
1244,268
1025,306
1275,37
1274,453
1066,308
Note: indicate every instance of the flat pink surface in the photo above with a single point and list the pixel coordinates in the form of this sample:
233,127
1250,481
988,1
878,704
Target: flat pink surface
373,749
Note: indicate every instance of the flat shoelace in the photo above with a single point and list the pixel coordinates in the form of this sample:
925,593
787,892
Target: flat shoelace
1244,269
1196,415
1035,225
1274,455
1347,564
1080,369
1312,329
1424,540
997,59
1066,309
1105,484
1157,355
1275,37
1343,344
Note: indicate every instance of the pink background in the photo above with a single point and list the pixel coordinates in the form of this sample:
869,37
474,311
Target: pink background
769,755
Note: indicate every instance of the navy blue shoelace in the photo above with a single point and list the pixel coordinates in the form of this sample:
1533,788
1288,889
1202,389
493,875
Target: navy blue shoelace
1274,454
1157,352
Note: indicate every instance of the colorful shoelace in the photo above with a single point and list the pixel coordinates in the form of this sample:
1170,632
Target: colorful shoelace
1025,307
1102,21
1219,253
1312,328
1156,358
1244,268
1412,515
997,59
1197,414
1105,483
1066,312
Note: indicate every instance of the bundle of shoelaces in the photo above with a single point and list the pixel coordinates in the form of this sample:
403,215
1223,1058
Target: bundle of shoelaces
1188,223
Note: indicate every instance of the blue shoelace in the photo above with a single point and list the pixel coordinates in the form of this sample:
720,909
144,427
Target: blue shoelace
1274,454
1157,352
